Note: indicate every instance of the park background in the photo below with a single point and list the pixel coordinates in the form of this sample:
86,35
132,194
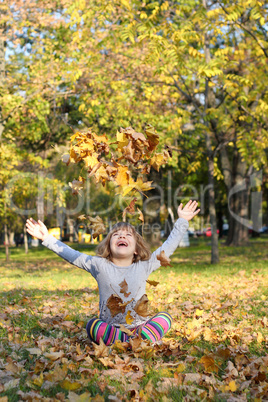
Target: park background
197,72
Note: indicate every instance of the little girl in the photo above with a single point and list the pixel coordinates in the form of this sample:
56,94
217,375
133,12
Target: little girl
121,268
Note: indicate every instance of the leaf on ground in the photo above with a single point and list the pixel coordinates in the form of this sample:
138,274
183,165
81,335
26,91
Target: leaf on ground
70,385
54,355
164,260
125,330
141,306
73,397
232,386
101,350
209,364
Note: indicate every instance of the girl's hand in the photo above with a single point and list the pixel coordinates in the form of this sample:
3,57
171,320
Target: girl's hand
189,211
36,229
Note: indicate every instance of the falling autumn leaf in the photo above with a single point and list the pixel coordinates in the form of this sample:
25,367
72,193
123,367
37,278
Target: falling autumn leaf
97,225
130,208
164,260
140,217
66,159
129,318
152,136
152,283
124,288
116,305
141,306
77,186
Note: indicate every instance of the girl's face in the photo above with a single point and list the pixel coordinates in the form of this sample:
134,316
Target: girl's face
123,244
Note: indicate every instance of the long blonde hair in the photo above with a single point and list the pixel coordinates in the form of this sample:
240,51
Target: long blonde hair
142,248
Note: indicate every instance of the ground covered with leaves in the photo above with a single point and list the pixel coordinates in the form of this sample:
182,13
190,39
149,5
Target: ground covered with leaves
216,349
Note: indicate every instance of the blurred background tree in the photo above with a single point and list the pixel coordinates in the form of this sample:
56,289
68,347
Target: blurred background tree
195,71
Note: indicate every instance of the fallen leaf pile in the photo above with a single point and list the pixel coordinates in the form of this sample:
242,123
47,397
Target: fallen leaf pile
215,350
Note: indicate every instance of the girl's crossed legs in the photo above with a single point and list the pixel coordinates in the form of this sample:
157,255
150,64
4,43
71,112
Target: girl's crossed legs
153,330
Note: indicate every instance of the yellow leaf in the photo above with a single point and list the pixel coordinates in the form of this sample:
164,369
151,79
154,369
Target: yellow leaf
199,312
38,381
209,364
181,367
101,350
91,160
158,160
69,385
122,140
123,176
129,318
73,397
232,386
260,338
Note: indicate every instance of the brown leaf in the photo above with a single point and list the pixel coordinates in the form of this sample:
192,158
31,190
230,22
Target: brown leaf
94,169
152,283
76,186
130,208
116,305
152,136
101,350
141,306
209,364
125,330
130,153
164,260
54,355
141,217
124,288
97,225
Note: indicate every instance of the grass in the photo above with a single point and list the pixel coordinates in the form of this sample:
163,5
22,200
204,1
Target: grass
219,312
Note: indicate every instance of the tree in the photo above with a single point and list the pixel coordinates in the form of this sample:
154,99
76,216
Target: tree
211,60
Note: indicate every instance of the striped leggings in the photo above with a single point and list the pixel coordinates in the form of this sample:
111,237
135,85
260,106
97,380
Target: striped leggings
153,330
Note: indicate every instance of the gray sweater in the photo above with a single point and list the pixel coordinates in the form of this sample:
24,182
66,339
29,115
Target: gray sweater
109,276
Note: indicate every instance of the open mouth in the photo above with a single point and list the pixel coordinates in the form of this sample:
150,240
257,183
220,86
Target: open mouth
122,244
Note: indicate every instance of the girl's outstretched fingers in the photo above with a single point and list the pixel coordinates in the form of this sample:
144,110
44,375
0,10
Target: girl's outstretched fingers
36,229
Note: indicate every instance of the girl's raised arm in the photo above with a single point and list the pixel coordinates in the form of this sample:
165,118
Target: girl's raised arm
180,228
80,260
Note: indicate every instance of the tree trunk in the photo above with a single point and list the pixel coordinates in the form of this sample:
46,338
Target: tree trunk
210,102
25,240
11,241
236,179
40,197
212,207
238,232
6,242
